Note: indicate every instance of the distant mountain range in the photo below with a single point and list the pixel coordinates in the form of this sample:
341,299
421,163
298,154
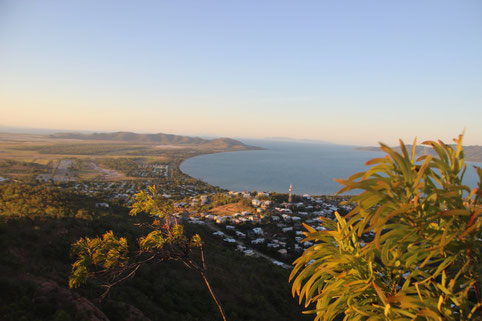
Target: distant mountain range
160,138
472,153
300,140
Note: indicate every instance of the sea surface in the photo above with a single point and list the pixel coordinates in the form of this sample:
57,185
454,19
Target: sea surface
310,167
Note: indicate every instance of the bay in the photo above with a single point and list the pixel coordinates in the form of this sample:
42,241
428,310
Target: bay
309,167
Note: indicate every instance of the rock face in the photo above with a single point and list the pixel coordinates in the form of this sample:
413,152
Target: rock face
49,290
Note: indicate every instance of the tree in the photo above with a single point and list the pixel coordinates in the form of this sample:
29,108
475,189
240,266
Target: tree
411,248
111,260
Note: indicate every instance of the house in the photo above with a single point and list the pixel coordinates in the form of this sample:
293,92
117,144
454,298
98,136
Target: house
195,221
258,231
278,263
204,199
266,204
256,202
258,241
283,252
240,234
104,205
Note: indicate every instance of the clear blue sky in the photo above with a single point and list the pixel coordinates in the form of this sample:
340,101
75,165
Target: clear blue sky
353,72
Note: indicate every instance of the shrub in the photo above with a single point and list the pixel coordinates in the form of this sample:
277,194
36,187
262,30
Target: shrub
409,250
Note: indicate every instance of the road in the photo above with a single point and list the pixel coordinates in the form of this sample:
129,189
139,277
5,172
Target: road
61,173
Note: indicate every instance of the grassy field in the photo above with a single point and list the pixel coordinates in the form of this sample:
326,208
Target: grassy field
27,156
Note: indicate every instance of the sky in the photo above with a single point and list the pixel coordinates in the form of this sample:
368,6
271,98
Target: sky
348,72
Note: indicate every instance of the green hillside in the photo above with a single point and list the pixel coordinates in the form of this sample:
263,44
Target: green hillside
38,223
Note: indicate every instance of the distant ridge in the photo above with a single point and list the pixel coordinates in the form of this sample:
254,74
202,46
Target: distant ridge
472,153
160,138
301,140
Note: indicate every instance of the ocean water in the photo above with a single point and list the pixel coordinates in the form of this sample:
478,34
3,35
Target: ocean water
310,167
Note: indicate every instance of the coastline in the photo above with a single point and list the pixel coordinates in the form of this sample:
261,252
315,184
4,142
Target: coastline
310,168
179,162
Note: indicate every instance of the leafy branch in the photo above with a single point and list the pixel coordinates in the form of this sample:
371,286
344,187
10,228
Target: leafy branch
411,248
111,261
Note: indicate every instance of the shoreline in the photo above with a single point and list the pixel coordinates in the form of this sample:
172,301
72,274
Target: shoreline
179,162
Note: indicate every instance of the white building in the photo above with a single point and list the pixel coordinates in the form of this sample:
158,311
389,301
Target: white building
240,234
258,231
258,241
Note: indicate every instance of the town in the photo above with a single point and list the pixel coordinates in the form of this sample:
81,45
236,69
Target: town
258,224
271,229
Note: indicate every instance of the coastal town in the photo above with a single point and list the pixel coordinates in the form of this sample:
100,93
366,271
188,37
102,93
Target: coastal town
270,230
257,224
112,171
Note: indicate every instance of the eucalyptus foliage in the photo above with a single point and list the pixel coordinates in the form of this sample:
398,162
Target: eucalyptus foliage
409,250
111,260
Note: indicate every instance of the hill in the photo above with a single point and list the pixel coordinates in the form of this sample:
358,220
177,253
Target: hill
472,153
38,224
160,138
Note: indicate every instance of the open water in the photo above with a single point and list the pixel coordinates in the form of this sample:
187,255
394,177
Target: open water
310,167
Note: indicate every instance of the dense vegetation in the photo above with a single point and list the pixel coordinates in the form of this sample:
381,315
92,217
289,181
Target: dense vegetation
25,170
410,250
35,263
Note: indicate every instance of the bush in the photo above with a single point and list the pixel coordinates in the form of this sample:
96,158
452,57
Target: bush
411,248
